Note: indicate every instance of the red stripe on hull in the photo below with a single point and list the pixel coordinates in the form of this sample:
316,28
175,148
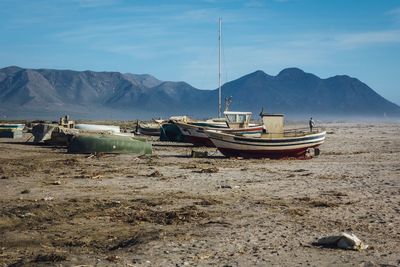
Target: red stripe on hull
199,141
273,154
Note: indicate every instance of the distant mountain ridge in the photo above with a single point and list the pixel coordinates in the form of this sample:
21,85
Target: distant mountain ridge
48,93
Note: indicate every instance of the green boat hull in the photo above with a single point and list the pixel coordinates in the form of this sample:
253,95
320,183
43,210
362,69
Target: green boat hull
87,144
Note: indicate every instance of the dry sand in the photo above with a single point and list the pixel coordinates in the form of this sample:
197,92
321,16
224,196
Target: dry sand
58,209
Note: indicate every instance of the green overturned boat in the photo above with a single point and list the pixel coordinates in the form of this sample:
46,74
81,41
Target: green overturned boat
87,144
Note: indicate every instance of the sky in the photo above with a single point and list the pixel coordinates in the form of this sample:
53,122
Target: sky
178,40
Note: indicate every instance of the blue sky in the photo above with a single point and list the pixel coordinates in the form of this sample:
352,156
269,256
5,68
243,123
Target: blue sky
177,40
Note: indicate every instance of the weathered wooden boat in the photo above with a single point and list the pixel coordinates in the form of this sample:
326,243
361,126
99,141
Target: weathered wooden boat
276,143
98,128
87,144
170,132
148,128
237,123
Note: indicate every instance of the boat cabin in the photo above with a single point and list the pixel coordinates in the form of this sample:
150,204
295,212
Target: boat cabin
66,122
237,119
273,123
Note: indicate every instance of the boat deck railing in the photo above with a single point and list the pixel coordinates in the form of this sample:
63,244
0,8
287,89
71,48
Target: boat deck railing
294,132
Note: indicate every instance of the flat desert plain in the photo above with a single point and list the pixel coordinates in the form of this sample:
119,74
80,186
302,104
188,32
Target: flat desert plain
59,209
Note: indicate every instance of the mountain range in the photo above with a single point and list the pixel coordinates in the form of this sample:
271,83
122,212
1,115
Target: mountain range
48,93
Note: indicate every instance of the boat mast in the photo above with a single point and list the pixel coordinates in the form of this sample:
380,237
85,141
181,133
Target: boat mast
219,68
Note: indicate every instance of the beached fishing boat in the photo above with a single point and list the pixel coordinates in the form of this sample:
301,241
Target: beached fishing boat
237,123
267,146
87,144
276,143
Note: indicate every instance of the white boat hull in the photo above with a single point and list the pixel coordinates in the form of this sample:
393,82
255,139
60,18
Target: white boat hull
98,128
194,134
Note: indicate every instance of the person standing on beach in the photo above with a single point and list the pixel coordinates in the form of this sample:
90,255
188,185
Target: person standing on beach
311,123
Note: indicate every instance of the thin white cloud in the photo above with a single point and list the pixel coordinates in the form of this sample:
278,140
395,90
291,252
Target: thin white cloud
354,40
96,3
337,40
255,4
103,30
395,14
200,14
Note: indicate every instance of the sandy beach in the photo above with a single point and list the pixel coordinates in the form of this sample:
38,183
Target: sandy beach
59,209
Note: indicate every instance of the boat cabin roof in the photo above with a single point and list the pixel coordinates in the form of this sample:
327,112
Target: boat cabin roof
237,117
271,115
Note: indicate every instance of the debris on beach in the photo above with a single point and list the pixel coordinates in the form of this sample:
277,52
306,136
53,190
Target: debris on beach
2,174
48,198
212,169
155,174
199,154
96,155
341,240
52,257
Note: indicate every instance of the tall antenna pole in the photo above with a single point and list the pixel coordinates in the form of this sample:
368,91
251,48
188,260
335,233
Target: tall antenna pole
219,68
